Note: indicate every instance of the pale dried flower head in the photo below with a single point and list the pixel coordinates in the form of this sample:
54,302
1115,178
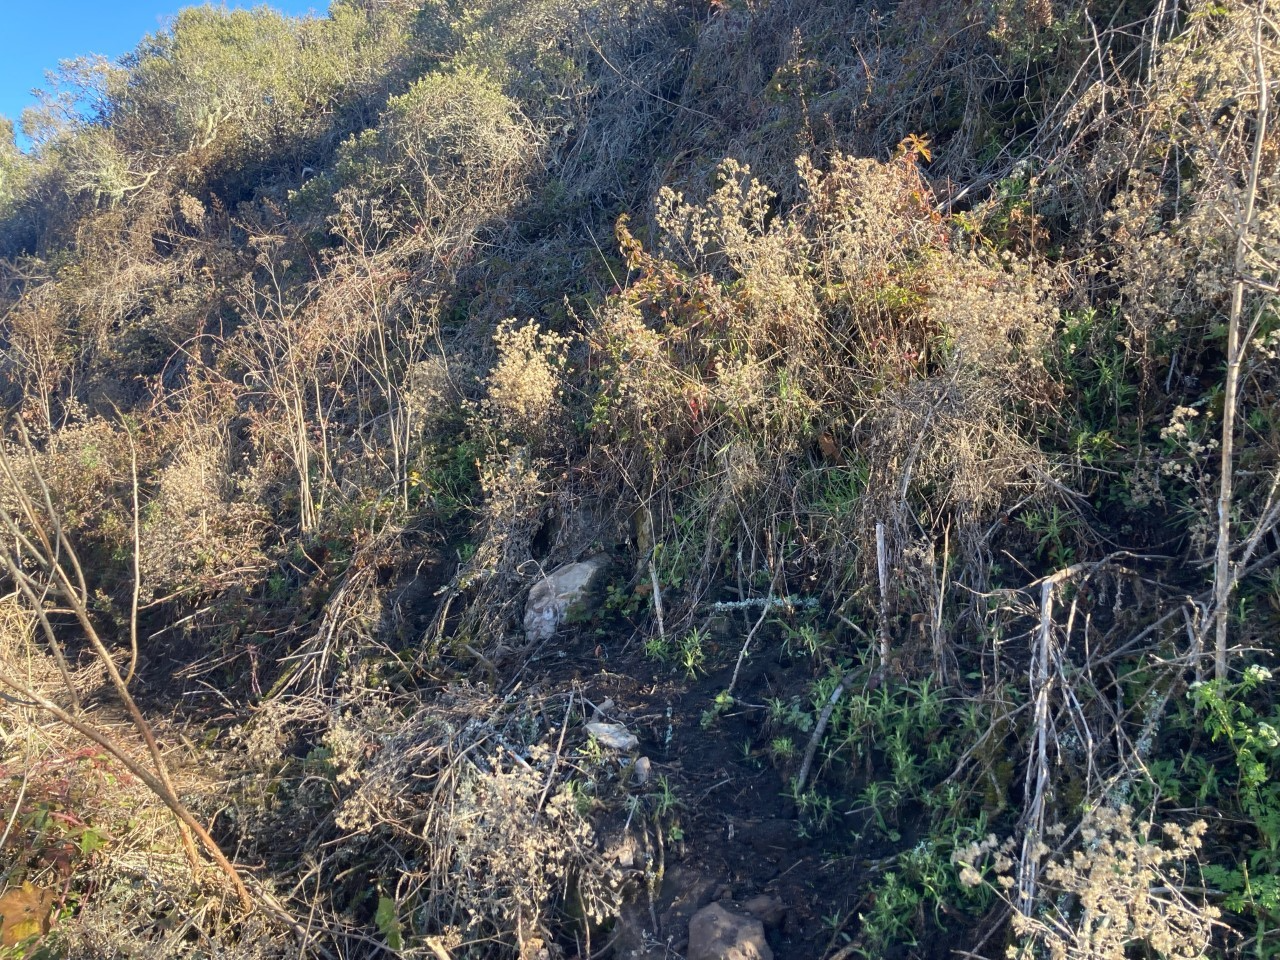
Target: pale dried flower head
1117,890
526,385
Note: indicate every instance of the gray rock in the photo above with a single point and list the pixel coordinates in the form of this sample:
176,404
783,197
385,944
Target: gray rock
719,934
614,736
625,852
565,590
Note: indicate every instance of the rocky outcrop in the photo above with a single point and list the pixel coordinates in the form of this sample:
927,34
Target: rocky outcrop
614,736
767,909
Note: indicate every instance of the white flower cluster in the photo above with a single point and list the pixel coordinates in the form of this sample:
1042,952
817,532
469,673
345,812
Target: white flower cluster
1177,428
1257,673
1178,432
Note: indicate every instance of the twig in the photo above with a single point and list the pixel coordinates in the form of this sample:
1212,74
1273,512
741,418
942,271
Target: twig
848,950
882,568
939,665
161,788
1222,578
137,562
1037,777
17,805
746,644
657,598
555,761
819,729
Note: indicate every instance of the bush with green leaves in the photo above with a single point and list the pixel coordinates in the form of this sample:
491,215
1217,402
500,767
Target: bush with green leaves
13,169
447,156
229,90
1241,718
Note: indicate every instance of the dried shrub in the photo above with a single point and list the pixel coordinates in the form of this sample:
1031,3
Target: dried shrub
848,323
194,529
85,828
87,469
40,355
88,331
498,835
514,488
431,392
524,399
767,81
1117,890
949,448
595,77
447,156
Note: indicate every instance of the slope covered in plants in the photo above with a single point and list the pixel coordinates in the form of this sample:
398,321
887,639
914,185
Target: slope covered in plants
902,377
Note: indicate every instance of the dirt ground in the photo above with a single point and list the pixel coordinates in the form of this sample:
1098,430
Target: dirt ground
738,832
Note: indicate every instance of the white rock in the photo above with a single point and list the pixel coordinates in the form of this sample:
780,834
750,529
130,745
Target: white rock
557,594
614,735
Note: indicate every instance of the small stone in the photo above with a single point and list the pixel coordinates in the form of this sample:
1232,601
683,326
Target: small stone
625,852
643,771
719,934
614,736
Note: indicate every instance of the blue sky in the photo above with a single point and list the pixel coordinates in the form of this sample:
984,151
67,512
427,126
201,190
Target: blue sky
36,34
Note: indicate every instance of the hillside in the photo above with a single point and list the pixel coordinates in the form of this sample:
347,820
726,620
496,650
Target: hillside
491,478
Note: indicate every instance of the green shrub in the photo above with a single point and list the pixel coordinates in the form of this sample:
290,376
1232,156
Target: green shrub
14,170
447,156
230,89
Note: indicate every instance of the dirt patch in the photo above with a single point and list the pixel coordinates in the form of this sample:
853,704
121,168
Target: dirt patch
736,833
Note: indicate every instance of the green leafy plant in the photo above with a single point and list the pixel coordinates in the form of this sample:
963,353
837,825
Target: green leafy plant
691,651
805,639
816,810
387,919
1251,883
722,703
1056,532
1254,744
659,648
789,713
782,750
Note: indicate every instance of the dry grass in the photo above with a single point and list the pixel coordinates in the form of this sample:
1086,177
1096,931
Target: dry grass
482,789
525,398
80,824
828,363
1116,890
848,327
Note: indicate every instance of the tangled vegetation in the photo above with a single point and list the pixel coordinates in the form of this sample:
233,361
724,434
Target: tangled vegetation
910,369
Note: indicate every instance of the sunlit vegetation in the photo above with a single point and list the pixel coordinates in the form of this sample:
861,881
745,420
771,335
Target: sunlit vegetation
914,365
